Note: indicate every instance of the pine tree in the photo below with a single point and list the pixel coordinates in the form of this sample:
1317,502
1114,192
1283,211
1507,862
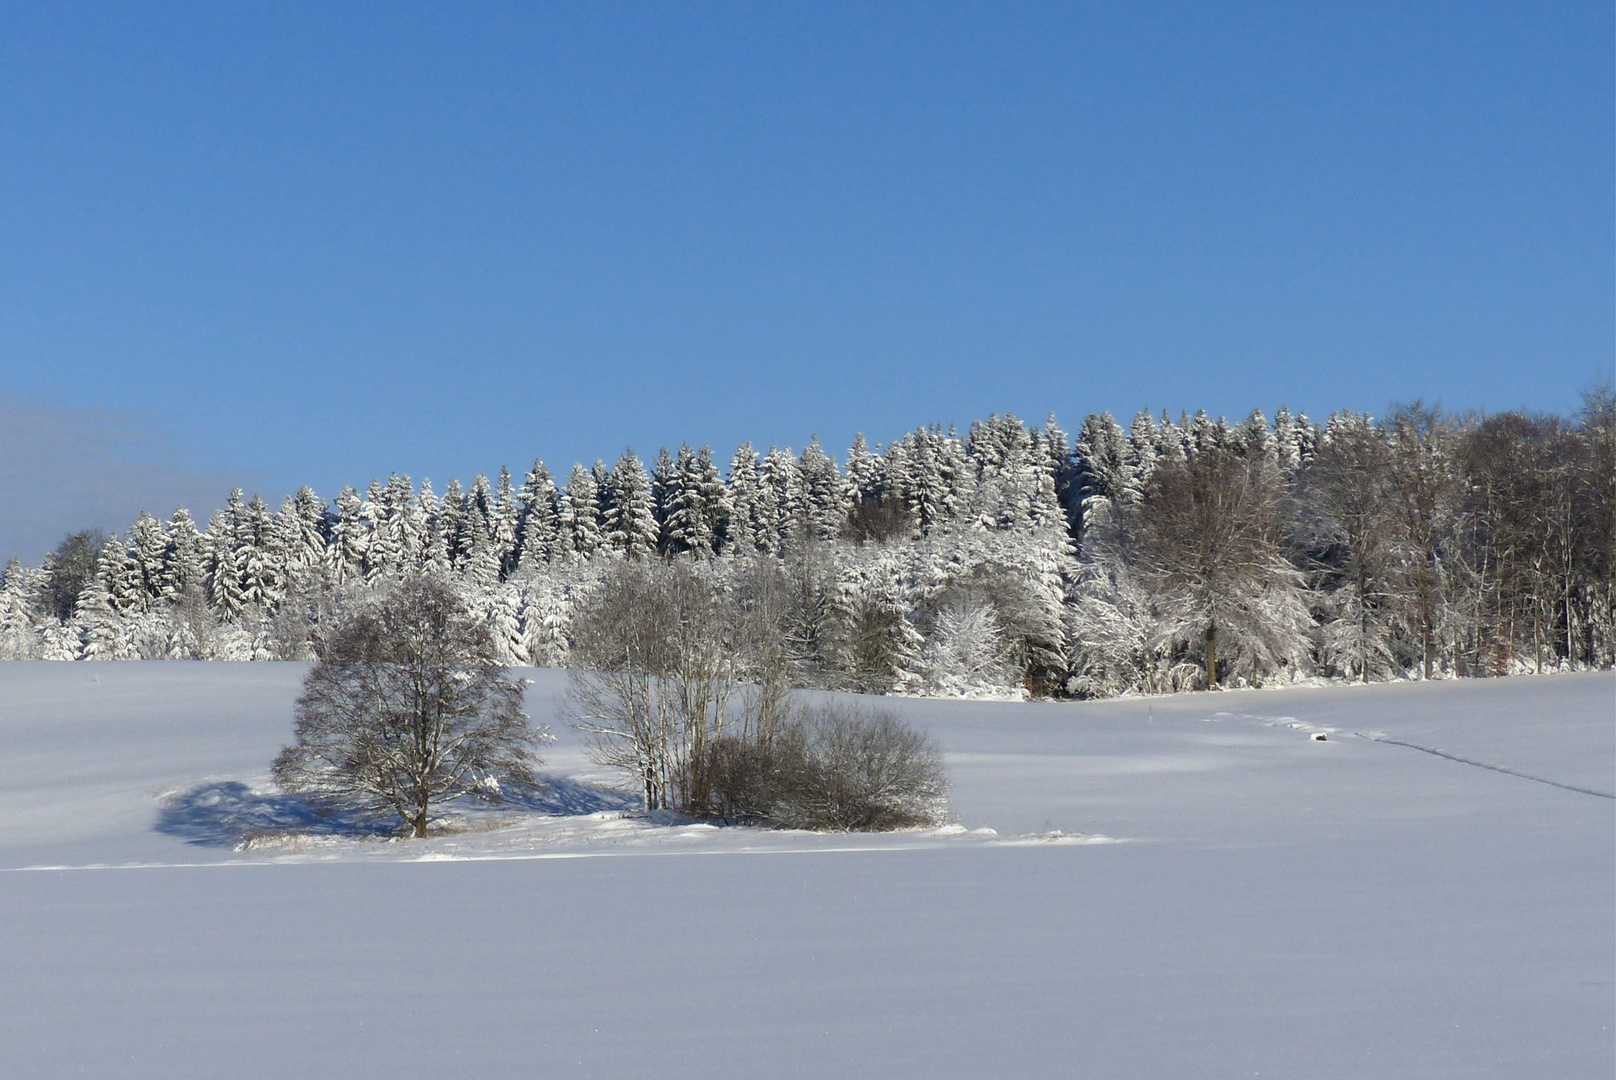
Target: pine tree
452,523
95,615
345,557
747,523
824,492
539,525
303,528
259,560
665,492
224,581
780,485
148,545
18,588
580,514
434,540
629,525
185,560
691,524
864,479
1108,482
504,517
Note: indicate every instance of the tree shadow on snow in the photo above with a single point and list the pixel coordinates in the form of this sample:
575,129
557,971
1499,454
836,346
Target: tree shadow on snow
229,813
563,797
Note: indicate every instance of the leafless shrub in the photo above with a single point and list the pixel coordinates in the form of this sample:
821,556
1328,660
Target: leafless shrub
832,768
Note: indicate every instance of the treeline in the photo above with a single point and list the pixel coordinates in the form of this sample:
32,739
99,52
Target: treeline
1011,559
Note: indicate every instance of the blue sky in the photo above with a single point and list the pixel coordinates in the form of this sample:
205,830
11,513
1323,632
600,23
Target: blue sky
284,244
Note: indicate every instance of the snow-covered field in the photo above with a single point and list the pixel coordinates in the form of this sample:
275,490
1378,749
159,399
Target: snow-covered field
1273,905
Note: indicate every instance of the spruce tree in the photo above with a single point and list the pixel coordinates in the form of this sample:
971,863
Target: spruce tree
185,560
539,525
824,492
345,557
630,526
746,522
580,514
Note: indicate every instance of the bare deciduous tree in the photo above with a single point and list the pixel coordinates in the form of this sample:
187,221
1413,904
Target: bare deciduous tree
662,671
1209,545
408,707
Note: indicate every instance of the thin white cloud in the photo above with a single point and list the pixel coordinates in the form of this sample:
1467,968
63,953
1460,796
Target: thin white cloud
65,469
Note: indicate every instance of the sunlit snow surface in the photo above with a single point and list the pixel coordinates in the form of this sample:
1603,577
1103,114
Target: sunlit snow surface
1185,887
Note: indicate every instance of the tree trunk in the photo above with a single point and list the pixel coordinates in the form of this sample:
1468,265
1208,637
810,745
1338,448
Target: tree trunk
419,821
1211,657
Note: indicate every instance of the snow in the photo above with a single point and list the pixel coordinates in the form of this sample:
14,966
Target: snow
1174,887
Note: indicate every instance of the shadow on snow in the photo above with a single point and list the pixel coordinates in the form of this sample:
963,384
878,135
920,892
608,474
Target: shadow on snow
227,813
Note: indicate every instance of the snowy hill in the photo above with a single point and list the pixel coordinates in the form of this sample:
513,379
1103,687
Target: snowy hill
1426,892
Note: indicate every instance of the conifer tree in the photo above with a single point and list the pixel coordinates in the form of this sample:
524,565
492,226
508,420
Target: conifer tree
434,542
747,523
345,557
503,520
824,493
148,544
452,523
95,615
224,583
863,472
539,525
185,560
629,525
580,514
780,485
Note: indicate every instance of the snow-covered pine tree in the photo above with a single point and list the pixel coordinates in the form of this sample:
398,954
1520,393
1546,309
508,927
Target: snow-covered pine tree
406,521
705,479
697,506
780,485
629,526
18,587
538,530
824,492
303,525
1172,445
481,556
502,524
915,474
185,560
1253,438
747,525
580,514
664,493
260,560
224,583
1141,453
98,623
148,544
434,541
381,547
345,556
1106,476
1057,448
452,523
863,472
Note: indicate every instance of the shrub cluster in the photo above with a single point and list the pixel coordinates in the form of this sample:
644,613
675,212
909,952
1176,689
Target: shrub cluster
832,768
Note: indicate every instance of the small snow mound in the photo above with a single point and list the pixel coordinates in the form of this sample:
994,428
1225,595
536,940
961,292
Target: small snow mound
986,833
954,829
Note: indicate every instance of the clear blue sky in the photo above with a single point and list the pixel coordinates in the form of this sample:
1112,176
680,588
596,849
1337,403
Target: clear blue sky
299,244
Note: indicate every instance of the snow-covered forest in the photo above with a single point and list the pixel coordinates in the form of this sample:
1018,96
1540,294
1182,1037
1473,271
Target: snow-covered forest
1011,559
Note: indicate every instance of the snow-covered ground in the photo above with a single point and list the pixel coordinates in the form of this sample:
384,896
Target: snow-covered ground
1273,905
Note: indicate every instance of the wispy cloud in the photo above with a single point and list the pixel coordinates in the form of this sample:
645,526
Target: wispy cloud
63,469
